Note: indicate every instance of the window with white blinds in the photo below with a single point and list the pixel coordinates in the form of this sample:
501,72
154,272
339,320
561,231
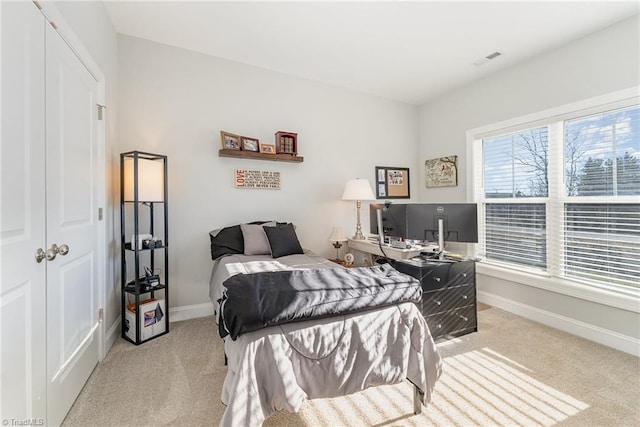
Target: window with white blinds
602,169
563,196
602,242
516,233
514,174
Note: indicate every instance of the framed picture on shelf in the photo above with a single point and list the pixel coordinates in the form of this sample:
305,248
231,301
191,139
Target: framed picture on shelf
250,144
268,148
392,183
230,141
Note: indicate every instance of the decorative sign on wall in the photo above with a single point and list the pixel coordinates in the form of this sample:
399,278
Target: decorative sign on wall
441,172
245,178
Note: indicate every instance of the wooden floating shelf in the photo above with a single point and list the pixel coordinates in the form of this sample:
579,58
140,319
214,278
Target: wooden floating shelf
238,154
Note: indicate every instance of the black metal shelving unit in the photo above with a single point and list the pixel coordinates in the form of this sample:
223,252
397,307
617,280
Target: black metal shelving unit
134,284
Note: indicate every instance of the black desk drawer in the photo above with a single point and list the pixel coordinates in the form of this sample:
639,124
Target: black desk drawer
435,278
462,273
447,299
453,321
432,275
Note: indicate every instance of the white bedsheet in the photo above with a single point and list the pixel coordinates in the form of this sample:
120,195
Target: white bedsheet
281,366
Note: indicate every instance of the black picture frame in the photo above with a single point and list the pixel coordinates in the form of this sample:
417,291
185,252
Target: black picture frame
392,182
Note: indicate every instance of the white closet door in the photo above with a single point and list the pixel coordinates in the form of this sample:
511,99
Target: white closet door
72,220
22,213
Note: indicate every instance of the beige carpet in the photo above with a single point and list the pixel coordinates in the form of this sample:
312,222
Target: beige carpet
513,373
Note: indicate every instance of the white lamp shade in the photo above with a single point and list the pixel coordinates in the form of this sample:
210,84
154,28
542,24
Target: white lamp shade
150,180
358,189
337,235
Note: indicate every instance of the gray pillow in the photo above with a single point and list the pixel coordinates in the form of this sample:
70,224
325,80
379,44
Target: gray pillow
255,239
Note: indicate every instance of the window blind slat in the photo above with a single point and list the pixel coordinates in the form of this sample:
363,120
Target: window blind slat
603,242
516,233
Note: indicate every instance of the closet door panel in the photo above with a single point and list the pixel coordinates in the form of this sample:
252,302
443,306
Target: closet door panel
22,213
72,280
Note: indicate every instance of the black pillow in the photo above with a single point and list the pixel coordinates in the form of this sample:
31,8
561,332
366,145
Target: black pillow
283,240
228,241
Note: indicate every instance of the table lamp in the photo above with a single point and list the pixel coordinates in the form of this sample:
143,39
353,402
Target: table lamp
337,236
358,189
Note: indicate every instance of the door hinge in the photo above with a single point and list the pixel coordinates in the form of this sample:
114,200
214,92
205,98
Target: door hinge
100,315
101,108
100,214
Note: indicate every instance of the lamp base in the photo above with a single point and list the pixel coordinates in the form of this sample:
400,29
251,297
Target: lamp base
337,245
359,236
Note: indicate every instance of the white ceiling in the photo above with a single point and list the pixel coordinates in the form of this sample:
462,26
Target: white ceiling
406,51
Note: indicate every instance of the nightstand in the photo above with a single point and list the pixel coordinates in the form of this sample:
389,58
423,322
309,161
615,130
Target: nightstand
343,263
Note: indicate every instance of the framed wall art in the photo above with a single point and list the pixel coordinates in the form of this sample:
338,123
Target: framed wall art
257,179
392,183
230,141
441,172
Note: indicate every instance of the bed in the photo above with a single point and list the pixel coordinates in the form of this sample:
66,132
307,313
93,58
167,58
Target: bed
278,367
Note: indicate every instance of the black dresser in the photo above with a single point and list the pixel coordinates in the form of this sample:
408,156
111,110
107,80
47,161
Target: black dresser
448,294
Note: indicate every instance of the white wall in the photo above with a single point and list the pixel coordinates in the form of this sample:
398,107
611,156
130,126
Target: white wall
603,62
176,102
91,24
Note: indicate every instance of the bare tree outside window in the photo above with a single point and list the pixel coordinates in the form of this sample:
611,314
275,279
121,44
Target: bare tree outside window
535,144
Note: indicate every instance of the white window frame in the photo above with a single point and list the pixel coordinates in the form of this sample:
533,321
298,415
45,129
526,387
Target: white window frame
615,296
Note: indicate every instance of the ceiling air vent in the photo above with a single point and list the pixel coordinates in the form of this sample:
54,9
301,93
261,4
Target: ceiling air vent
486,59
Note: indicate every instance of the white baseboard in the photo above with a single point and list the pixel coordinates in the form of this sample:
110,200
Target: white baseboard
187,312
111,336
602,336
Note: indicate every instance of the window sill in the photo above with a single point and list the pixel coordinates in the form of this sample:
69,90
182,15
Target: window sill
627,300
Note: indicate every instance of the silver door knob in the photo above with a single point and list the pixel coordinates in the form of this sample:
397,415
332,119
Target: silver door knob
39,255
63,250
52,252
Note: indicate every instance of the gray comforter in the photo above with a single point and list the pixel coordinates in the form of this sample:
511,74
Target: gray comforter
281,366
